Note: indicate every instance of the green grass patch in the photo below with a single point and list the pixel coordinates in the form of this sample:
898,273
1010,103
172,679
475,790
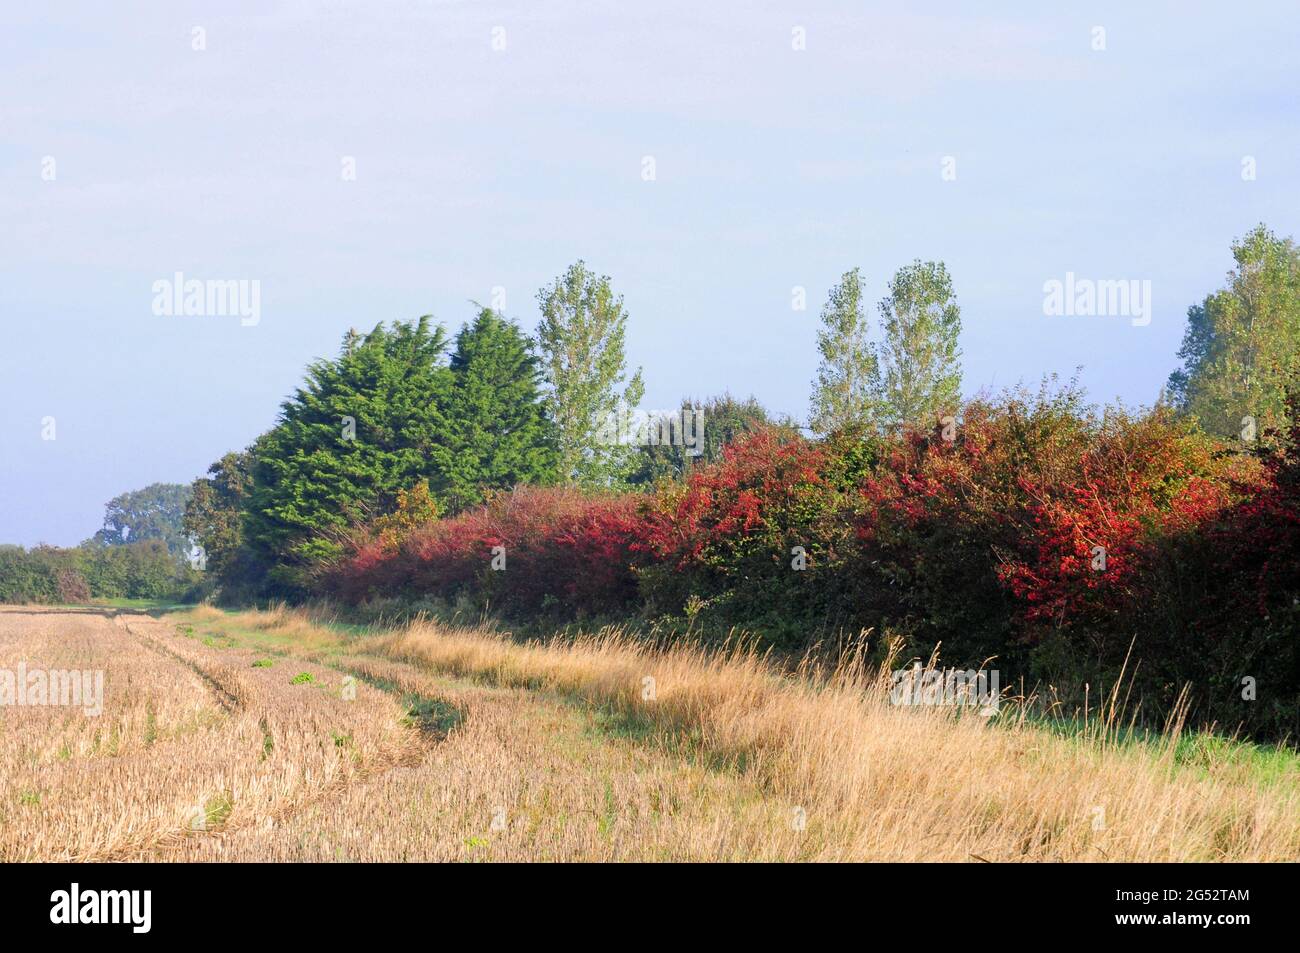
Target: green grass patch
217,810
430,714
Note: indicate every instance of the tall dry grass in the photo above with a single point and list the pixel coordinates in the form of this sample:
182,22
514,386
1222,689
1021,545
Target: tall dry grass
874,781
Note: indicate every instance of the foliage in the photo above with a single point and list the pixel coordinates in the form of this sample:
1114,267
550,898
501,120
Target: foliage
1241,349
155,512
848,379
361,428
720,421
500,435
1069,544
581,340
984,540
415,508
755,536
214,519
49,574
556,551
919,357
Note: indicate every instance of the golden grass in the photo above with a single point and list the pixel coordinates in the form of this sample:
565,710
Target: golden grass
881,782
561,751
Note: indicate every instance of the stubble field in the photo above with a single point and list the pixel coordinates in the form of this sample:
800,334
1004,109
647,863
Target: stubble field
274,736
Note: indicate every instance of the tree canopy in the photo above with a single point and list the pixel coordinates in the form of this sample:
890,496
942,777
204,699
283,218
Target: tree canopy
846,391
500,433
363,426
581,340
155,512
919,357
1241,349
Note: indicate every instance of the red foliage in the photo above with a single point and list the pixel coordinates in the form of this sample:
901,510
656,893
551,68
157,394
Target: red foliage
1068,511
560,547
752,493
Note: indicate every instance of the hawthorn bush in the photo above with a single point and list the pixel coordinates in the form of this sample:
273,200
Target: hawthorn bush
1223,609
944,512
563,552
757,539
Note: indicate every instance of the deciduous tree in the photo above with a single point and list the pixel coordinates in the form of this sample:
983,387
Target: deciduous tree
581,339
920,357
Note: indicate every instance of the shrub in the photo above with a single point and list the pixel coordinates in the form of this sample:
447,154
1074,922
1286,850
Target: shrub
560,552
72,587
757,538
939,516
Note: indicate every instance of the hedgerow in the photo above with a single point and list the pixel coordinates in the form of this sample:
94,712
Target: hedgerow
1067,544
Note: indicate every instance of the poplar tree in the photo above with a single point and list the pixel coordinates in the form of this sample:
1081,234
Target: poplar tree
920,357
581,342
848,378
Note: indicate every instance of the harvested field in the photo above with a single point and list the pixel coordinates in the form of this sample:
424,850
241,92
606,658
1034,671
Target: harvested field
433,743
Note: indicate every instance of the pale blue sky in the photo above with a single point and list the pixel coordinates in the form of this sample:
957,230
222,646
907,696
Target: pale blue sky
479,168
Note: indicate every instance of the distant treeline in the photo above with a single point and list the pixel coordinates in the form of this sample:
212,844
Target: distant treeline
49,574
141,552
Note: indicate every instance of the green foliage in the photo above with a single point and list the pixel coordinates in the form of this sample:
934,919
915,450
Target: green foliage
49,574
27,576
363,427
389,416
500,435
722,419
1241,348
214,519
581,339
848,379
156,512
920,357
302,678
146,570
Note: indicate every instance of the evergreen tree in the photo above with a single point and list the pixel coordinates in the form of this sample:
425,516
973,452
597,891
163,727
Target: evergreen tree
920,356
581,338
1241,349
363,427
500,435
848,378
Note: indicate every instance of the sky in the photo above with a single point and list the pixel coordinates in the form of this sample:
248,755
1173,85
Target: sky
372,162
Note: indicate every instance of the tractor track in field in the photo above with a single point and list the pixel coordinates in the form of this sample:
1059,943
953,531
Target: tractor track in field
229,702
423,740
